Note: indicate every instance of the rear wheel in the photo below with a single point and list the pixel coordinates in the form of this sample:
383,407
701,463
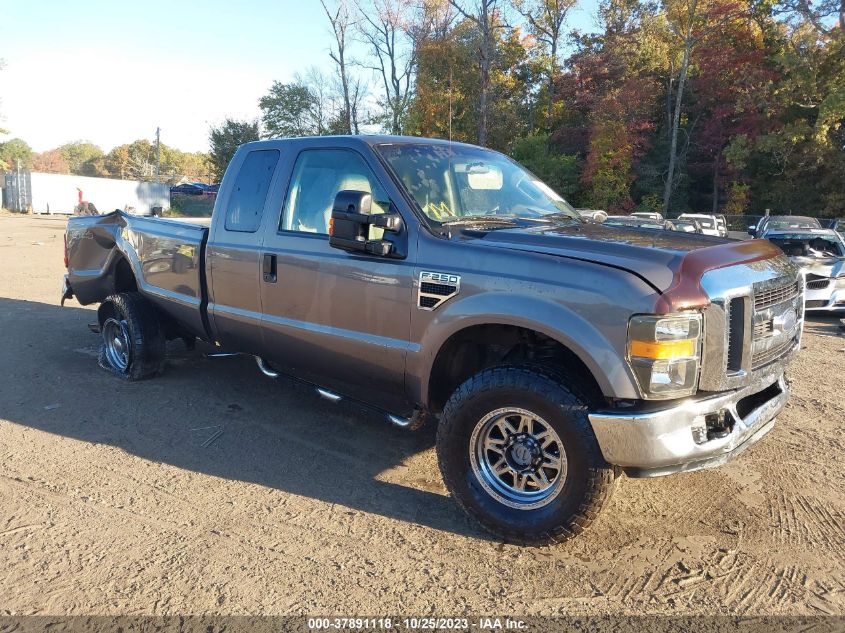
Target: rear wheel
133,345
518,454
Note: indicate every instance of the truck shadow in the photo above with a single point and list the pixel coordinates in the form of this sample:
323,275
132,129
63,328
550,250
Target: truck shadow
274,433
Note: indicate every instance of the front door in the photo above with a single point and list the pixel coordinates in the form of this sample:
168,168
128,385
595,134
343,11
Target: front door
338,319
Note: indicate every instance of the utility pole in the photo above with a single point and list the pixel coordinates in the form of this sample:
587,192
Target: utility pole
158,154
18,185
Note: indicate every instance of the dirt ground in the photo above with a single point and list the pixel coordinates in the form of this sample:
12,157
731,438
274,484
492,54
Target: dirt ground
119,504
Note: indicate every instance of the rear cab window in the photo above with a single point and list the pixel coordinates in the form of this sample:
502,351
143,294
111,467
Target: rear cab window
249,191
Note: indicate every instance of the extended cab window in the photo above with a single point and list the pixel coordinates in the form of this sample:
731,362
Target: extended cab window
246,202
317,177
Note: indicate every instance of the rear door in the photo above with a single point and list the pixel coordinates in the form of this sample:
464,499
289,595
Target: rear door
233,254
338,319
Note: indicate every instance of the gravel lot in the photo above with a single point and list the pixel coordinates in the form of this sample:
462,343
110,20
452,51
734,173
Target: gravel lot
116,504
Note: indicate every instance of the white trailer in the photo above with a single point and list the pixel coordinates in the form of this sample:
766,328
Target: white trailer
61,193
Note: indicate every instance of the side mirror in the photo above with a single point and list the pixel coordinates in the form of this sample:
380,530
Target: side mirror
752,230
352,218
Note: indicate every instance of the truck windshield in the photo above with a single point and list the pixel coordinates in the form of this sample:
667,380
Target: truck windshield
452,183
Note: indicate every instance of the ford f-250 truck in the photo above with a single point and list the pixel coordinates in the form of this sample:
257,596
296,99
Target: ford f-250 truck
442,281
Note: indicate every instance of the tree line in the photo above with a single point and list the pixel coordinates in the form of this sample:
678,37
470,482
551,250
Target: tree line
734,106
131,161
670,105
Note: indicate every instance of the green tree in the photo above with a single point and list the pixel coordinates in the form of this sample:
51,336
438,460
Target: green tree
288,110
225,140
447,98
133,161
83,158
178,166
546,19
444,103
16,152
559,171
798,164
486,15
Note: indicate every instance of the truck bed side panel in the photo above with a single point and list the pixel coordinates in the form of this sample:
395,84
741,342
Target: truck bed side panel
165,258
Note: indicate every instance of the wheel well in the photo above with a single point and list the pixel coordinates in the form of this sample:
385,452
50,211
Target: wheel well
476,348
104,311
124,278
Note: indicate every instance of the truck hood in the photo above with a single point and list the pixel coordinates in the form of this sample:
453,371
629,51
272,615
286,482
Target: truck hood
671,262
652,254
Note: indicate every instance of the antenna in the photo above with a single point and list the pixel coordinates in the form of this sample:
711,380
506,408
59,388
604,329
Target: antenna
158,154
450,102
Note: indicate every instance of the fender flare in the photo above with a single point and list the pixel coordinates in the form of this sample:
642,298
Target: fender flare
607,366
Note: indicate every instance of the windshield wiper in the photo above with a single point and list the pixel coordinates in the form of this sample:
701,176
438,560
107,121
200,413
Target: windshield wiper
481,219
562,215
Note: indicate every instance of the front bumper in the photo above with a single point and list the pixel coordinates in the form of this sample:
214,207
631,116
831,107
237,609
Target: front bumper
825,300
651,443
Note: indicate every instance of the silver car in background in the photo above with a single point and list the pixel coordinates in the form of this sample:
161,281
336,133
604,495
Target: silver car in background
782,223
820,254
709,223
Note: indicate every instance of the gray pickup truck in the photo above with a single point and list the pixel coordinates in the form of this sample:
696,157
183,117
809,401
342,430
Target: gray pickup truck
441,281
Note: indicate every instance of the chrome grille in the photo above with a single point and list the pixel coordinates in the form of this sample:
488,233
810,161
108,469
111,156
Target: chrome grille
775,296
776,321
762,329
773,353
748,316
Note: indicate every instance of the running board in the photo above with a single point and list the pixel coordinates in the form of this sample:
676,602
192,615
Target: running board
325,394
265,368
411,424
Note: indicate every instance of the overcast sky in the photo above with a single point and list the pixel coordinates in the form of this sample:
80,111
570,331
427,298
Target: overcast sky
110,71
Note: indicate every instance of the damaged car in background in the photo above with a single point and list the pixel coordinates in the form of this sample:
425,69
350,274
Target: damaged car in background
820,254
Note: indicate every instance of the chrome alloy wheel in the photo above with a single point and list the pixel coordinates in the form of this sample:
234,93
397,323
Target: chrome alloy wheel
518,458
116,339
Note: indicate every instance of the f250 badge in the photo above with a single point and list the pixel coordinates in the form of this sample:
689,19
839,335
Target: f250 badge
436,288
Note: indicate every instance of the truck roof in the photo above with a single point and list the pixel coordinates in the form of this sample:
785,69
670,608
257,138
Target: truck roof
356,140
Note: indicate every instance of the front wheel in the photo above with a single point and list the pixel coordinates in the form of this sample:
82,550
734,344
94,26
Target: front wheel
518,454
133,341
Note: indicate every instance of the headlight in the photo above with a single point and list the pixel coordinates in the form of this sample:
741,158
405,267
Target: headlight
840,283
664,353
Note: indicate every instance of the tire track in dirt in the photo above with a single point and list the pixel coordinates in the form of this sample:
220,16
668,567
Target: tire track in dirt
802,521
144,521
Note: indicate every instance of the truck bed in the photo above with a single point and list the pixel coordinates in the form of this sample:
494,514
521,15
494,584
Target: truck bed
164,255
